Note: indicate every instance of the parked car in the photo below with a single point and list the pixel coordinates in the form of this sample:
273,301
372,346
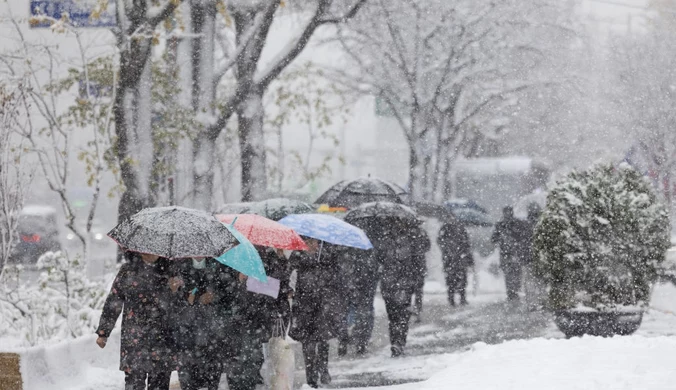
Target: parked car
38,234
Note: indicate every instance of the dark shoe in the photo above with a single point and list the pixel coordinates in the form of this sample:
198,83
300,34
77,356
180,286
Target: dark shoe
463,302
361,350
397,351
325,378
314,385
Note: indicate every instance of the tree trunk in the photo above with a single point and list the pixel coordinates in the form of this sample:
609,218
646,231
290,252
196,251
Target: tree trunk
203,20
204,152
252,145
419,167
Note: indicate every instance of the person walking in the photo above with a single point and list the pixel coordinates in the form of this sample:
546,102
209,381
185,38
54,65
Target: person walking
361,269
457,257
508,235
318,307
141,293
421,245
196,323
258,315
400,274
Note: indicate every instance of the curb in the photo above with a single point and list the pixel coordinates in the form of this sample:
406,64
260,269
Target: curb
10,372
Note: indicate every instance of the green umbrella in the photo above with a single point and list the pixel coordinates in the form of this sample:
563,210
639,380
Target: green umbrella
244,257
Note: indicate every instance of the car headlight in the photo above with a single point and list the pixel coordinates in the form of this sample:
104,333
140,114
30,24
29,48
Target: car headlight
98,236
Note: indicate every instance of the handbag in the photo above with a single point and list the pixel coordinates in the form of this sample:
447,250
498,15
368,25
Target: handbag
281,361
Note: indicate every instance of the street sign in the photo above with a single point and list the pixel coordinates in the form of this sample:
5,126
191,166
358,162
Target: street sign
82,13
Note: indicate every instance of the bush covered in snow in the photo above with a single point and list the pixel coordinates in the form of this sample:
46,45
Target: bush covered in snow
63,303
601,238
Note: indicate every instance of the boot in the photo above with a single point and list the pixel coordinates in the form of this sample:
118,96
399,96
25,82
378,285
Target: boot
397,351
463,299
325,377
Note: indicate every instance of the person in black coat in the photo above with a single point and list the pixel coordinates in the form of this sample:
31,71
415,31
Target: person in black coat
509,236
318,307
457,257
196,323
421,245
142,295
361,271
400,274
258,315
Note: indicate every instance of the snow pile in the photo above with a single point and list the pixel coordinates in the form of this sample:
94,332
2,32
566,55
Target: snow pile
62,304
582,363
73,364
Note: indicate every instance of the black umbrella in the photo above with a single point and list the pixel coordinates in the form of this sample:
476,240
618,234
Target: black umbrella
365,190
174,232
382,210
278,208
433,210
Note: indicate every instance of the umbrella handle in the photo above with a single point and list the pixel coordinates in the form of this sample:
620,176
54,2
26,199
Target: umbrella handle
233,221
321,246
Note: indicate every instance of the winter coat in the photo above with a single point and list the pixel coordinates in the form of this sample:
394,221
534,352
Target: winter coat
421,245
401,269
320,298
141,294
362,273
262,310
195,325
455,247
509,235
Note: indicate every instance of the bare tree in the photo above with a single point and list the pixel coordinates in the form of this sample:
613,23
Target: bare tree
241,48
450,73
136,33
49,130
644,94
14,176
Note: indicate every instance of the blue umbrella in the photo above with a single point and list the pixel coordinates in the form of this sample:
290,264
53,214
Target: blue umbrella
327,228
244,257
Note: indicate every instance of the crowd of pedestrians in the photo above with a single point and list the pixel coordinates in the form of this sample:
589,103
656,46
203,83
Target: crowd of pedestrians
197,316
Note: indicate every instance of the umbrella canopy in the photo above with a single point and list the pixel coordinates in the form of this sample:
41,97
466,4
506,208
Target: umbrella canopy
327,228
265,232
174,232
433,210
278,208
244,257
378,210
235,208
356,192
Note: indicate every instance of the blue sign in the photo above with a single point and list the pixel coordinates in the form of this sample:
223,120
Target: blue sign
79,12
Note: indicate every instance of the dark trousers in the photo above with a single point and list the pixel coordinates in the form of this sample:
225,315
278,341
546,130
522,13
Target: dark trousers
316,358
456,283
244,371
512,281
194,377
156,380
397,304
359,313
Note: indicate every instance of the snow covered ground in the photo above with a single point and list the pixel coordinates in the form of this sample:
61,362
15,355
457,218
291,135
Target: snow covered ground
635,362
489,344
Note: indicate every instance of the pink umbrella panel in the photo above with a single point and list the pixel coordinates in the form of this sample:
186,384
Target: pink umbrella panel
265,232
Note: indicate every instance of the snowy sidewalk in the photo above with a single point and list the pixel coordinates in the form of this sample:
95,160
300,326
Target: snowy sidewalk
443,330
